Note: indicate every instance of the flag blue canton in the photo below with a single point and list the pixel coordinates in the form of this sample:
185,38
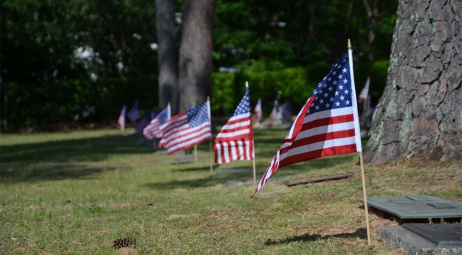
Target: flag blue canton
134,113
197,115
244,105
144,122
163,116
334,91
287,111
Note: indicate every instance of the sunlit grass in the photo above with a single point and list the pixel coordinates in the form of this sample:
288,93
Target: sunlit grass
77,192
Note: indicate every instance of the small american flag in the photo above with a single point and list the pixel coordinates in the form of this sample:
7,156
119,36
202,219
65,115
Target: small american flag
274,111
134,113
121,119
364,96
258,110
287,112
143,123
327,125
235,140
187,129
152,131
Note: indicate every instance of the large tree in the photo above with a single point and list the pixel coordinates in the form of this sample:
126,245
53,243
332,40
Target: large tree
420,114
195,64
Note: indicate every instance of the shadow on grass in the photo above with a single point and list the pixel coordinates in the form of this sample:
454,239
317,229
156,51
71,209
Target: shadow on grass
222,176
195,168
196,183
202,182
63,159
359,233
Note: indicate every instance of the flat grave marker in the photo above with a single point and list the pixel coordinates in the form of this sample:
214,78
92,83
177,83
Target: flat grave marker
417,207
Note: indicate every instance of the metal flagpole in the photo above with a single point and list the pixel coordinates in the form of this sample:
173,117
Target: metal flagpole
253,151
210,144
359,142
195,153
254,172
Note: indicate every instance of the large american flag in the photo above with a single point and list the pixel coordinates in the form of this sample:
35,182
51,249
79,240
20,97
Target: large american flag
152,131
121,119
134,113
327,125
187,129
235,140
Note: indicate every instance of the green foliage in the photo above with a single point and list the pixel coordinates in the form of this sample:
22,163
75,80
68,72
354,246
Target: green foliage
40,38
223,94
277,47
77,101
295,84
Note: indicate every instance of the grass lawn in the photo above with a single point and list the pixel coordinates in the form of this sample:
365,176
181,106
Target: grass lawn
76,192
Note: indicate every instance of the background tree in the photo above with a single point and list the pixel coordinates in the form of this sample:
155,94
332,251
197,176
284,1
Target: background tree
195,63
419,114
167,56
102,54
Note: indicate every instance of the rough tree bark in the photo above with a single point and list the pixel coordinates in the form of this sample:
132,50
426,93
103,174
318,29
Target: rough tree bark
420,113
167,57
195,64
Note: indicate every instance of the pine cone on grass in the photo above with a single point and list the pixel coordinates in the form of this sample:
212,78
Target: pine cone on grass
124,242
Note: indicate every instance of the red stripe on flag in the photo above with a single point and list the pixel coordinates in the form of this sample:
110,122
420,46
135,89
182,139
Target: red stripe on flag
345,149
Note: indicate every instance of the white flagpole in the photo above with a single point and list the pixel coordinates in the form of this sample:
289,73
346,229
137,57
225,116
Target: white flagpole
358,140
195,147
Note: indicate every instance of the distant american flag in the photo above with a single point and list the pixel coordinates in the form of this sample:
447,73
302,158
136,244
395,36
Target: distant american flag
364,96
274,111
143,123
287,112
187,129
134,113
235,140
121,119
152,131
258,110
327,125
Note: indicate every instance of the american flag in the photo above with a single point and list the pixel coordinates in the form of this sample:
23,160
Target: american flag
258,110
134,113
121,119
287,112
364,96
143,123
235,140
327,125
152,131
274,111
187,129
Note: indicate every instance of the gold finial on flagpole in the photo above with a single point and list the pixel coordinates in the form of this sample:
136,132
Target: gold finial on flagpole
349,44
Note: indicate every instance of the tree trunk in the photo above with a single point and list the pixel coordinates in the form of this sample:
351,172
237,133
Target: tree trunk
420,113
195,64
167,57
